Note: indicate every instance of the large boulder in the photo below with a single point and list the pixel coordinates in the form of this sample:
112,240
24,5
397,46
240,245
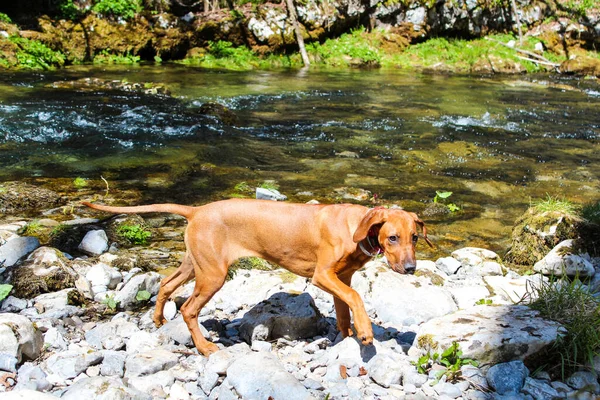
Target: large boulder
19,337
45,270
488,334
283,315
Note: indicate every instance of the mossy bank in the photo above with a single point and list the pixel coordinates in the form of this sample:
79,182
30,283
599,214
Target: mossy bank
444,36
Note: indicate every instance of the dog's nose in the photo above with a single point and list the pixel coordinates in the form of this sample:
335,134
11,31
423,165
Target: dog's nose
410,269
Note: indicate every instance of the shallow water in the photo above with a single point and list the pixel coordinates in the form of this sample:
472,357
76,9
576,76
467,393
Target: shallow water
496,143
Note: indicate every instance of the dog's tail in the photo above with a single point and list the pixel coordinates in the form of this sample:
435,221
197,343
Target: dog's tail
185,211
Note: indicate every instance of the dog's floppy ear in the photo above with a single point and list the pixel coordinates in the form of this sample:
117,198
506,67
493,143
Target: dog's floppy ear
422,225
377,215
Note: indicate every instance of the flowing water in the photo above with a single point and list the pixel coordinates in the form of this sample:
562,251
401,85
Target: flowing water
496,143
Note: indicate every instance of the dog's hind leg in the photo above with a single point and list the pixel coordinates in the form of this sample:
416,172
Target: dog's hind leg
208,282
183,274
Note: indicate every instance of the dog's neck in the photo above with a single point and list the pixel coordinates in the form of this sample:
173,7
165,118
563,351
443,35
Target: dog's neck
370,245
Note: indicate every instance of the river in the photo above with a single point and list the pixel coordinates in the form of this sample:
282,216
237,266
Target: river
497,143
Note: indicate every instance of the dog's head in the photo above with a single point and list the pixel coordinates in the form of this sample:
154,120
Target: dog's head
398,236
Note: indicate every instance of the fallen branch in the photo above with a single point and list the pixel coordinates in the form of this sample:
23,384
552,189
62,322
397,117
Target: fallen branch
526,52
551,64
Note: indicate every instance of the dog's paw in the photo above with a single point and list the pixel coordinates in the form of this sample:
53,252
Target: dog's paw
158,322
208,349
366,340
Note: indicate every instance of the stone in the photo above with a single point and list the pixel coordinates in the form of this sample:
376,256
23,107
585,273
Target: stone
270,380
449,265
15,249
384,370
103,388
562,260
540,389
111,335
507,378
584,379
398,300
103,278
282,315
94,243
69,364
513,290
32,377
269,194
8,362
113,363
13,304
466,295
154,384
170,310
489,335
50,301
126,297
221,360
19,337
149,362
448,390
259,345
26,394
53,339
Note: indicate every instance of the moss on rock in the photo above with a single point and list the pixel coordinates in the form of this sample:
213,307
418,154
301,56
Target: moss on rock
18,197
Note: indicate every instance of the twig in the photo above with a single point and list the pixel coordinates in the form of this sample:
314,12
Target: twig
106,182
539,62
529,53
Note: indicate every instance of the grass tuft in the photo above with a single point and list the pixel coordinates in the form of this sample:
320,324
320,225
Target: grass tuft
554,204
573,305
591,212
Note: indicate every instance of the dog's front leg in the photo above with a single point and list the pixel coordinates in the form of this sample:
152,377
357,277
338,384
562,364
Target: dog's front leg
328,281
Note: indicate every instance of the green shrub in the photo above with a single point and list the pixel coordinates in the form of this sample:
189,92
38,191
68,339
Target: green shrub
571,304
125,9
5,18
33,54
135,234
69,10
451,359
355,44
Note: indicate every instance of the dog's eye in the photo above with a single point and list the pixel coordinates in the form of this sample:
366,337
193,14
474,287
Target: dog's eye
415,238
393,239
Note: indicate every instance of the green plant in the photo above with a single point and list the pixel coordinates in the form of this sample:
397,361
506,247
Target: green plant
5,291
69,10
443,196
110,302
570,303
451,358
5,18
157,59
242,187
356,45
135,234
486,302
31,229
270,185
80,183
143,296
554,204
125,9
33,54
106,57
591,212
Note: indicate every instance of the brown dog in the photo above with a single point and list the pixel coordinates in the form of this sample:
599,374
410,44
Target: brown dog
327,243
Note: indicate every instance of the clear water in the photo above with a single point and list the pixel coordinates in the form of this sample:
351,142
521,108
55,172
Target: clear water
496,143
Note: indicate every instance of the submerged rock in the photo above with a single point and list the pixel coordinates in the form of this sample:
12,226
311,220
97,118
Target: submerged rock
17,197
222,113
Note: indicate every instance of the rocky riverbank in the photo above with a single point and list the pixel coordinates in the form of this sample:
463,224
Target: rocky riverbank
78,324
558,35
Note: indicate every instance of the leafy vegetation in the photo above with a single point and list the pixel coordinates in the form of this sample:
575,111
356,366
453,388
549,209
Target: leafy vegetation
31,229
32,54
573,305
5,291
440,197
110,302
80,183
486,302
106,57
143,296
356,45
451,359
135,234
125,9
5,18
270,185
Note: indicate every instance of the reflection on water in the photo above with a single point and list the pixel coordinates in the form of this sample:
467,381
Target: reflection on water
495,143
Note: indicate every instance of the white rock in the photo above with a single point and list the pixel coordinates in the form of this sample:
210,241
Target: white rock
19,337
449,265
94,243
17,248
562,260
269,194
26,394
103,388
170,310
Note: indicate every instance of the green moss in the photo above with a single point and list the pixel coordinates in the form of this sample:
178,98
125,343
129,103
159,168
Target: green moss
288,277
350,48
249,263
106,57
27,285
